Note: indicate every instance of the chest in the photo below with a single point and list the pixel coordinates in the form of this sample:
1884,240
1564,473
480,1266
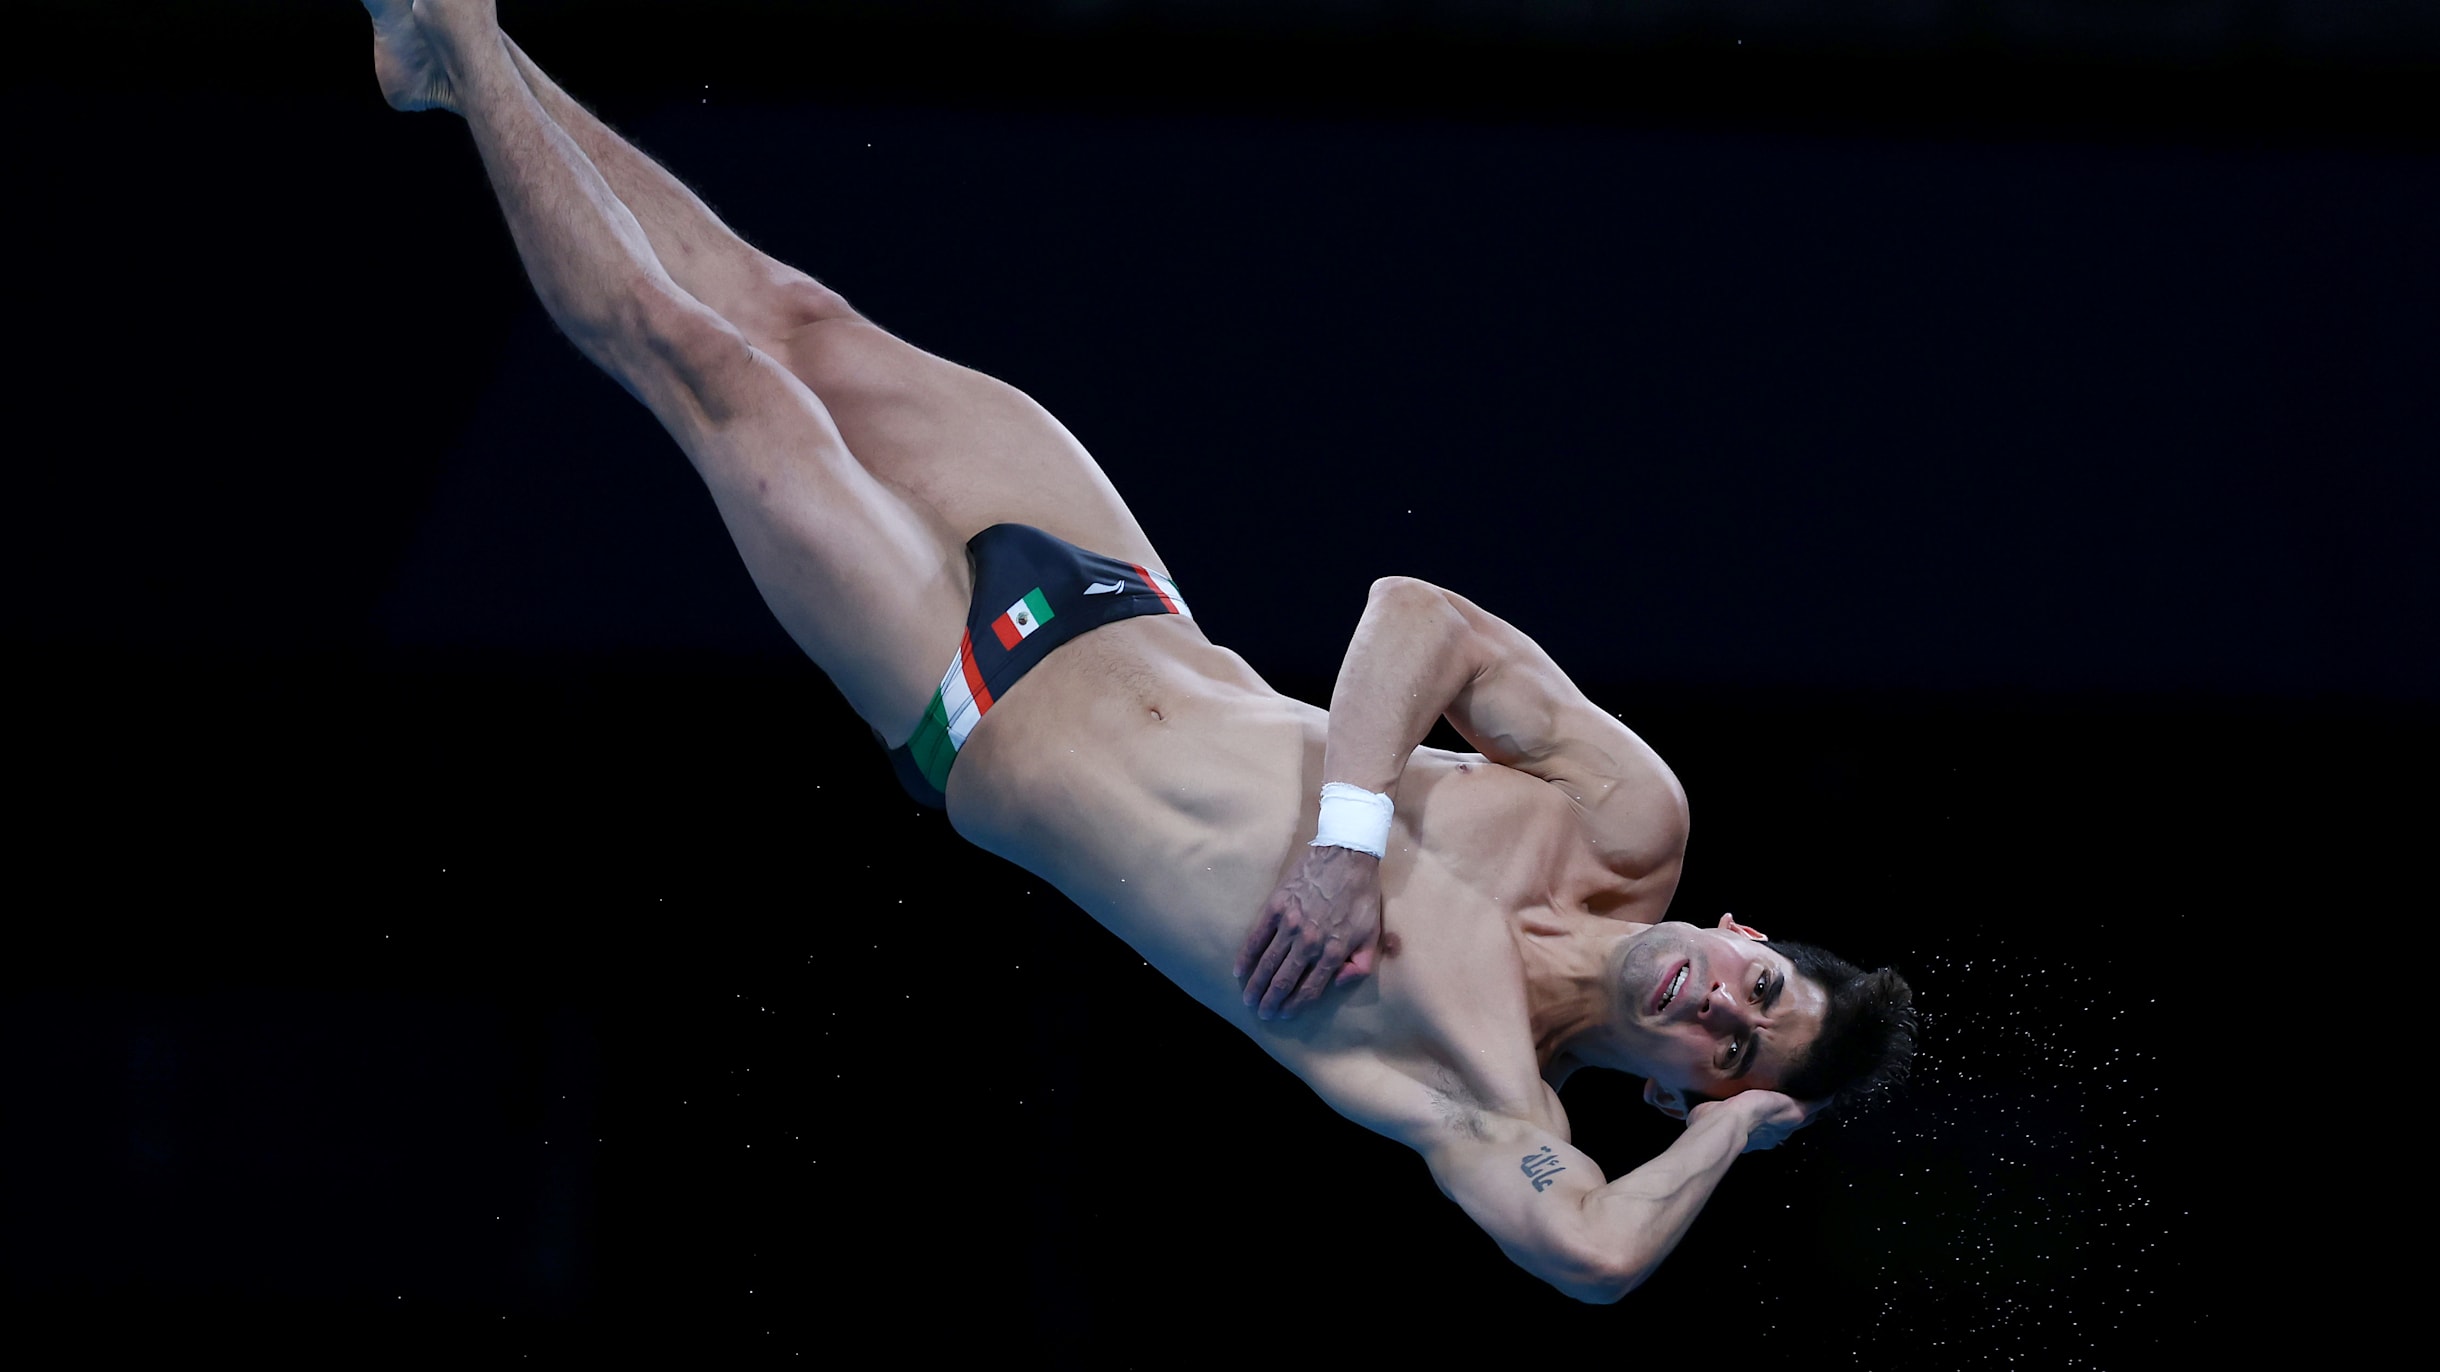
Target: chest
1477,838
1476,852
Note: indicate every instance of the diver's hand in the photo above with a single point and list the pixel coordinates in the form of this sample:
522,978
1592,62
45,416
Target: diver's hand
1770,1117
1316,931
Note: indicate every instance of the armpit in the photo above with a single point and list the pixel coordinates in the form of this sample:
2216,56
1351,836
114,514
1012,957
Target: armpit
1456,1106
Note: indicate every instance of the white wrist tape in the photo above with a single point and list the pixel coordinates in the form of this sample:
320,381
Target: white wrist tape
1353,817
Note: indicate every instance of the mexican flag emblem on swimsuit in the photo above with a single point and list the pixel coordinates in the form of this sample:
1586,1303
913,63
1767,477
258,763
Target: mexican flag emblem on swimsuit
1094,589
1019,621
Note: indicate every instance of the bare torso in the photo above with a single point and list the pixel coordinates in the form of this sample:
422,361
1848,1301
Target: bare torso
1164,787
1149,774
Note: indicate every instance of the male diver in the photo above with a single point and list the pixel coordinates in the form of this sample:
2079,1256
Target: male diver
964,572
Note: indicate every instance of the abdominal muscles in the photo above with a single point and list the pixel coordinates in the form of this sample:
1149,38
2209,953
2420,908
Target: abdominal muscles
1156,781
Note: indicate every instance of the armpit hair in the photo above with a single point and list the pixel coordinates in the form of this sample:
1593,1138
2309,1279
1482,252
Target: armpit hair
1456,1105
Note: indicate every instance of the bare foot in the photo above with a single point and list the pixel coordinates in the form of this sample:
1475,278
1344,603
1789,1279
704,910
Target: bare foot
403,61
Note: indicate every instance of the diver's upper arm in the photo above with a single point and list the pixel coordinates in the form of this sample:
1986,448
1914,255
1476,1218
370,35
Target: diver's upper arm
1521,711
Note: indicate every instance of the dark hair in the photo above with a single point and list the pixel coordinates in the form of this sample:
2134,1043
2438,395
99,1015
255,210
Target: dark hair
1867,1042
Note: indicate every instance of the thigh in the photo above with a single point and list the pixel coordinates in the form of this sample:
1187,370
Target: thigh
973,450
871,584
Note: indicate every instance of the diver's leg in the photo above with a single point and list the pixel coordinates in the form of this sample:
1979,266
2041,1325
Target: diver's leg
968,446
972,450
868,583
764,297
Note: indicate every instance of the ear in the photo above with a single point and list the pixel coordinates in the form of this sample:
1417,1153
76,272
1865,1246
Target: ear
1729,922
1666,1101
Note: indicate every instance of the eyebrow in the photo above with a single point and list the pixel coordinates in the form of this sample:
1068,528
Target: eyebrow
1753,1042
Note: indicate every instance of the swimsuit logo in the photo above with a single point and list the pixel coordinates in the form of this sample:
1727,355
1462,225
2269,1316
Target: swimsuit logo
1104,587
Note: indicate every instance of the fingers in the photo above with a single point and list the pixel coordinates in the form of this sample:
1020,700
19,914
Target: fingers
1781,1117
1255,942
1324,972
1764,1139
1293,955
1276,1002
1267,969
1275,956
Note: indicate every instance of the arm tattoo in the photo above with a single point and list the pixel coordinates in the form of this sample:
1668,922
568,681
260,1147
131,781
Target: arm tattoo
1541,1167
1456,1107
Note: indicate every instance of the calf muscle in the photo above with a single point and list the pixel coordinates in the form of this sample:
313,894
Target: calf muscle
764,297
588,258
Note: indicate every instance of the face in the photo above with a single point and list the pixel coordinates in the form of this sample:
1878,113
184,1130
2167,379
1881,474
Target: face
1712,1012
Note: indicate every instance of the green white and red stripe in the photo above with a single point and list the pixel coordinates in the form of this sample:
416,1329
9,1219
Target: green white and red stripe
963,698
1018,622
1166,589
961,701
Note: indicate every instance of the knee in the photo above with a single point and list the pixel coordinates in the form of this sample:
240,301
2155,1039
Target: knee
672,346
793,301
845,356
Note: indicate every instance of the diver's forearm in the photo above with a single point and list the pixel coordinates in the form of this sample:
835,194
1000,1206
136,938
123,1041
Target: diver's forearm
1403,667
1640,1217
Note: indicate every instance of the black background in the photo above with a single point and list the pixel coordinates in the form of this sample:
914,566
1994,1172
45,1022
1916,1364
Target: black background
1988,453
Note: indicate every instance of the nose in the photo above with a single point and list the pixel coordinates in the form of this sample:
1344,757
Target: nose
1723,1012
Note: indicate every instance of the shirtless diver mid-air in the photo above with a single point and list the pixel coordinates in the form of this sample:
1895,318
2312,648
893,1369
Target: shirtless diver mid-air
962,570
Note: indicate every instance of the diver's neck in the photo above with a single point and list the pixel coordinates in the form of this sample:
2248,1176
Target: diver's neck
1571,985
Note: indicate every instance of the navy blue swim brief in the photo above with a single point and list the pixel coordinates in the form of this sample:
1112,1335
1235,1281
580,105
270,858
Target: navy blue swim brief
1032,592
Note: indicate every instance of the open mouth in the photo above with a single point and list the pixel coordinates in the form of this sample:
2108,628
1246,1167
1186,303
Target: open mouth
1670,988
